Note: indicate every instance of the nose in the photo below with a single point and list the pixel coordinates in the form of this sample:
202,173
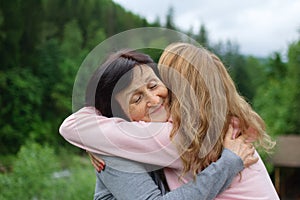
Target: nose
153,99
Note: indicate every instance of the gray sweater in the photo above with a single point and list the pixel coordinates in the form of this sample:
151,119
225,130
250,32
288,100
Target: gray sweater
120,181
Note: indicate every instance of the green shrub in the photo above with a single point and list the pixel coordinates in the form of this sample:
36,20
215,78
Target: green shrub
33,176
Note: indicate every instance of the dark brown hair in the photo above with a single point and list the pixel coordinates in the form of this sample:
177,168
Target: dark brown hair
101,89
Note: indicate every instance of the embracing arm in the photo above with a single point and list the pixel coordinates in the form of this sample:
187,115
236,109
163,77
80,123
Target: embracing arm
137,141
209,183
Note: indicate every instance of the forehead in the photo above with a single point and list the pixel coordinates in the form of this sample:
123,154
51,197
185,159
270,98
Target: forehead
141,75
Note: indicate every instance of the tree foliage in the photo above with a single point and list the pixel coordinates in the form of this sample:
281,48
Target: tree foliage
278,98
170,24
42,44
202,36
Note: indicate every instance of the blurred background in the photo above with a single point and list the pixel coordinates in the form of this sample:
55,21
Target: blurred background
43,43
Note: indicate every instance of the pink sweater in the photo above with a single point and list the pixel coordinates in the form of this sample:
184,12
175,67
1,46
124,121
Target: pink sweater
149,143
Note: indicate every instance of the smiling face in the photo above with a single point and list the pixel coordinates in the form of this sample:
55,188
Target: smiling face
146,98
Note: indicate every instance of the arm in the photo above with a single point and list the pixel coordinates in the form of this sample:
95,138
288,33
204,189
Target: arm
137,141
209,183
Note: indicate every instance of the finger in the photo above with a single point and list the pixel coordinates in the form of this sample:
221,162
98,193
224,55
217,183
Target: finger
250,161
236,127
91,158
234,134
229,133
242,137
92,155
103,167
253,150
250,153
96,159
99,169
250,145
97,165
95,162
101,161
250,139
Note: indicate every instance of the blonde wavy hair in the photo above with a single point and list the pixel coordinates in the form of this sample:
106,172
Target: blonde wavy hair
203,102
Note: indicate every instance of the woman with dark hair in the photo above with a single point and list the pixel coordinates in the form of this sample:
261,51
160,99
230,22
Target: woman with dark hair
114,76
118,68
126,86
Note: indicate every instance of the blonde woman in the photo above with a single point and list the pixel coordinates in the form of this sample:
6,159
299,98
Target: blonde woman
218,101
207,101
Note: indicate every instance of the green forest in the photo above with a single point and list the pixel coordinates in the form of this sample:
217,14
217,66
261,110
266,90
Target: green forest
42,45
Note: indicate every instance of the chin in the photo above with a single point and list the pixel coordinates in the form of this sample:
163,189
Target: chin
161,118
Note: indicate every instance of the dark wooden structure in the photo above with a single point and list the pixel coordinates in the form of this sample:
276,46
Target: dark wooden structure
286,160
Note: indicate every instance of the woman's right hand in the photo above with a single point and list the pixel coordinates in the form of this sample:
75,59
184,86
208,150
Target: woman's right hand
97,162
241,147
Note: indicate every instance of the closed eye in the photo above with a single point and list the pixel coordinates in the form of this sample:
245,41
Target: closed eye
152,85
136,98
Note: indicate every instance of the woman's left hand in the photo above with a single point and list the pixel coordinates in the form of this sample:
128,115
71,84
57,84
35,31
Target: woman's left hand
97,162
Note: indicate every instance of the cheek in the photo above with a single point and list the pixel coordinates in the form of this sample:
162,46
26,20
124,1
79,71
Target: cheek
137,112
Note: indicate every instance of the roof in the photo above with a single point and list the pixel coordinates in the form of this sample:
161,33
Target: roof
287,153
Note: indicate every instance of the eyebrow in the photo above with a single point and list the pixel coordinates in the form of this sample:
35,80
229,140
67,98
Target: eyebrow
149,78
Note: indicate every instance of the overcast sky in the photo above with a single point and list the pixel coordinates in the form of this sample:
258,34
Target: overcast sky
260,27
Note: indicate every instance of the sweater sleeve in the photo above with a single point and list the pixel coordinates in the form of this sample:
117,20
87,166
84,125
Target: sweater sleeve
137,141
209,183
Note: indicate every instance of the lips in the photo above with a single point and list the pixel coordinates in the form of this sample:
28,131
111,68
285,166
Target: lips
156,109
158,113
